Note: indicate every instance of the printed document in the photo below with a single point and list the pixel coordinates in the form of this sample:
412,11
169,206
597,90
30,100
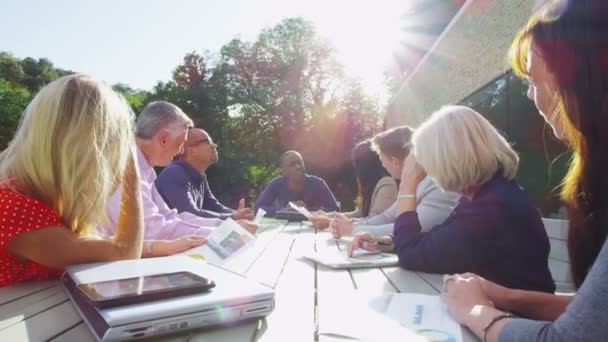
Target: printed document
388,317
224,242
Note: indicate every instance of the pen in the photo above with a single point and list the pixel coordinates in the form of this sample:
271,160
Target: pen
383,243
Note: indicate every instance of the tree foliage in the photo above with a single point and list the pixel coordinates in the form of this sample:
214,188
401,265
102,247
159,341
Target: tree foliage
284,90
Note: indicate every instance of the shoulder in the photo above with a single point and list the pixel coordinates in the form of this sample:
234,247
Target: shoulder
277,181
386,182
315,180
20,213
173,172
276,184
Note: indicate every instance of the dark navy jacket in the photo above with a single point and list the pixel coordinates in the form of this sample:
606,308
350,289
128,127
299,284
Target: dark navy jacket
185,189
499,235
316,195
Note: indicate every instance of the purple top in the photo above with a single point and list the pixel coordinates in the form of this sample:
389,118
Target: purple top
498,235
185,189
315,194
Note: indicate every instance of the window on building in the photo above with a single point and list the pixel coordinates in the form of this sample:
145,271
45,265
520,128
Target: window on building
543,159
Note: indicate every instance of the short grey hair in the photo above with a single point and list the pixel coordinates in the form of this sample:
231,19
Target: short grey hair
159,115
460,149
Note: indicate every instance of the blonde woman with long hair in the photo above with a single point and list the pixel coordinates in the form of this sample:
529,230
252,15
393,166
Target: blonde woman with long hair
73,147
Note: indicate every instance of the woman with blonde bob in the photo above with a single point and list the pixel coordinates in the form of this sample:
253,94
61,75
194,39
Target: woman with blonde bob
494,230
73,147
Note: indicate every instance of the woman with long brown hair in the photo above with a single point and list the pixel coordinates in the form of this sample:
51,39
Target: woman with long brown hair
563,52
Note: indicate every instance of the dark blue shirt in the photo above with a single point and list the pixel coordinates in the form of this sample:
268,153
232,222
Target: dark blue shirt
185,189
315,194
499,235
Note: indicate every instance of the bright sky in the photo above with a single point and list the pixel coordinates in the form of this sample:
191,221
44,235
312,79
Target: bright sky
139,42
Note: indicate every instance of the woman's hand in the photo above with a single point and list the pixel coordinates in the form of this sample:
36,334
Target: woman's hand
464,296
170,247
341,225
320,219
411,175
369,243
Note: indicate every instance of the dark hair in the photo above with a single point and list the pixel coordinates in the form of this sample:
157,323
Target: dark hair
368,171
572,38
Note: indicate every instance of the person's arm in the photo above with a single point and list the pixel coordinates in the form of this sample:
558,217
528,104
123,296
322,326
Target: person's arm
325,198
582,320
357,213
433,205
374,229
445,249
58,247
531,304
268,197
386,217
159,248
211,204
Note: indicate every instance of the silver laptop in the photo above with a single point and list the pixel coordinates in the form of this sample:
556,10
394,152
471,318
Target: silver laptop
234,298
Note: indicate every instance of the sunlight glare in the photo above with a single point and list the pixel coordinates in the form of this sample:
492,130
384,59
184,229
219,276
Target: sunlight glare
364,33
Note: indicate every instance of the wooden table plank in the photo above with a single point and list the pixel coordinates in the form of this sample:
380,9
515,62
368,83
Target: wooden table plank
293,316
270,264
26,307
15,292
80,333
242,262
45,325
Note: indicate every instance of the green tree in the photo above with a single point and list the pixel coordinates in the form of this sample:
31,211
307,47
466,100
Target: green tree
136,98
13,100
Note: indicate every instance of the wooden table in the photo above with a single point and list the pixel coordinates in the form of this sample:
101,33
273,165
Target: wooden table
39,311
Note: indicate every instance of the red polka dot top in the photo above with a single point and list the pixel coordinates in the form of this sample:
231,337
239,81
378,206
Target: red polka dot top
20,214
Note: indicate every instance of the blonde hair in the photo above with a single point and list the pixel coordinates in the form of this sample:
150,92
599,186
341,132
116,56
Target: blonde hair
71,148
460,149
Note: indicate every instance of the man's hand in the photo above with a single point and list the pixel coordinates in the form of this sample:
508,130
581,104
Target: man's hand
320,219
243,213
250,226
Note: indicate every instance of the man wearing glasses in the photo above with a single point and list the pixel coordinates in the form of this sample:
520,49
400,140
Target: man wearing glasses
296,186
184,186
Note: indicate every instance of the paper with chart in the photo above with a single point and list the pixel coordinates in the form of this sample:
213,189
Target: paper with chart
301,210
388,317
425,314
224,241
336,258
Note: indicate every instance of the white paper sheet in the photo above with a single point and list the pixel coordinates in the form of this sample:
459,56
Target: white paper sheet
388,317
223,242
301,210
259,216
333,257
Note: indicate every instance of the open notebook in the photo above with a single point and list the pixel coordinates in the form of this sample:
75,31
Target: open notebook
335,258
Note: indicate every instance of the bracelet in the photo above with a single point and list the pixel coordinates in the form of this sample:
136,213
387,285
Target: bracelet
491,323
406,196
148,247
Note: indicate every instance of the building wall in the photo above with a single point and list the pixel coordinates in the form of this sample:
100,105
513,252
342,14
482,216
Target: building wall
470,53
